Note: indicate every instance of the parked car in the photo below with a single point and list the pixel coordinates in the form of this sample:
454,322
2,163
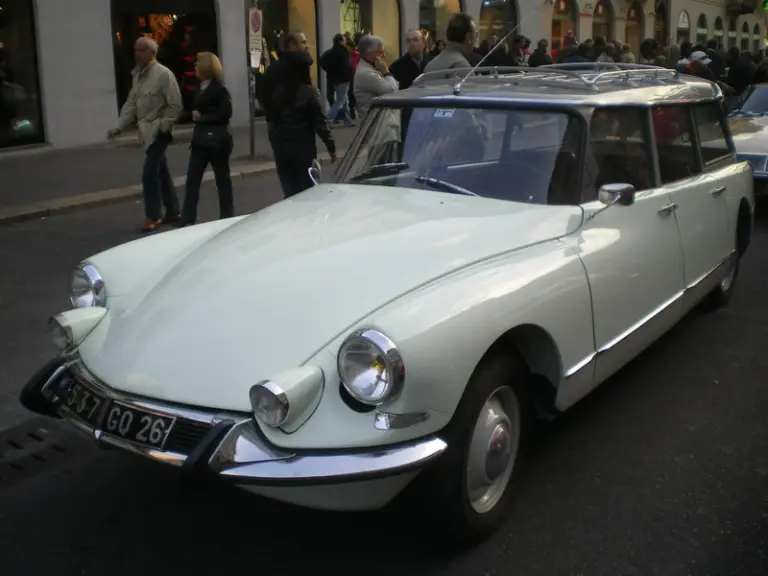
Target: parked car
749,126
487,253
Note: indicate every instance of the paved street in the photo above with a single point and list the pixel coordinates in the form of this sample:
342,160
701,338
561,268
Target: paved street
663,471
44,174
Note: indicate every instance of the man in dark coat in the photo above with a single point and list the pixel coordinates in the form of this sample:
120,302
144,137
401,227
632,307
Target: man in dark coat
294,42
337,64
411,64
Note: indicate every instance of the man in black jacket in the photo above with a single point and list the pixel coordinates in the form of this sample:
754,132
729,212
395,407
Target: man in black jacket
411,64
338,68
294,42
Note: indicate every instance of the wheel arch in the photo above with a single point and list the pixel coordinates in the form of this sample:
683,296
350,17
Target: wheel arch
541,356
744,225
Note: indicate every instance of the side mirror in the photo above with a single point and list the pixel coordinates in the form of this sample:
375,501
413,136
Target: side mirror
315,172
623,194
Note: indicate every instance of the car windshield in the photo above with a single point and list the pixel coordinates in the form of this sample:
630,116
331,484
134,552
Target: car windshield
519,155
754,101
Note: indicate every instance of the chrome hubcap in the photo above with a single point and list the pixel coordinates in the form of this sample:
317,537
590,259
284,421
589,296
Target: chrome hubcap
493,449
730,274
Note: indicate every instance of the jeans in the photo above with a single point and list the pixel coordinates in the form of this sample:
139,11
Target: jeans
157,183
340,109
199,158
293,172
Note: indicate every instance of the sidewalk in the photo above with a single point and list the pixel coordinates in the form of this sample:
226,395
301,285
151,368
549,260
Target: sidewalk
38,181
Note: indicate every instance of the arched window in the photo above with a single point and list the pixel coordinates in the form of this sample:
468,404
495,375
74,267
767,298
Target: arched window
683,27
745,37
732,34
660,24
497,17
602,20
565,21
634,31
757,43
702,33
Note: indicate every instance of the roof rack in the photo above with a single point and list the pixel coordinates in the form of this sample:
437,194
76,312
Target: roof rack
586,75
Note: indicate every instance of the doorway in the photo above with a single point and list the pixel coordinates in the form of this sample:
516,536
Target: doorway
182,29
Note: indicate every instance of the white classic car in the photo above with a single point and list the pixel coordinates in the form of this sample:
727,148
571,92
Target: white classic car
486,254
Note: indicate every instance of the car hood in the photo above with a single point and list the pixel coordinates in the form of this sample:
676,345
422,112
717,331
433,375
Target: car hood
269,292
750,134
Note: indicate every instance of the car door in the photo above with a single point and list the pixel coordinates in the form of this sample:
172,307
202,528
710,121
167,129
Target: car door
631,254
691,176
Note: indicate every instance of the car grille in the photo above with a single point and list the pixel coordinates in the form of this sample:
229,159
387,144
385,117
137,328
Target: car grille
186,435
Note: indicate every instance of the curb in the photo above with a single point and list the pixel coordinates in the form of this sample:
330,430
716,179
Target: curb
115,195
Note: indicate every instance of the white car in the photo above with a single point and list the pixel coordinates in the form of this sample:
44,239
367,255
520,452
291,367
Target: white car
487,253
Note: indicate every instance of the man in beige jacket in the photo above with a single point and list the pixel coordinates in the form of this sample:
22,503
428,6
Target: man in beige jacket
154,104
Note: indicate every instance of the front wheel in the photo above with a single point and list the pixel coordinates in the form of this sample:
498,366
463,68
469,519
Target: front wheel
469,489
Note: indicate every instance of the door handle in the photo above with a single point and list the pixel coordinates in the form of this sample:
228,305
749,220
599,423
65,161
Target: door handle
668,209
717,191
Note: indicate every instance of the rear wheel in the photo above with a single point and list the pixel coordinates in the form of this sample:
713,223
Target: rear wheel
468,493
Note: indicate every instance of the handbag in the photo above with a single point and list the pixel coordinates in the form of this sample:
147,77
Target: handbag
212,136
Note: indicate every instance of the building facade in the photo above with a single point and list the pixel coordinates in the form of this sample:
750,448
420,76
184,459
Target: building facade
65,71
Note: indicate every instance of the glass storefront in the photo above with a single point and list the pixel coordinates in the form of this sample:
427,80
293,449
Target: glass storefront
381,18
182,28
20,104
434,16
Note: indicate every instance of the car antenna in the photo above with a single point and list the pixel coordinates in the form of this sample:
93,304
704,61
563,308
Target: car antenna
457,88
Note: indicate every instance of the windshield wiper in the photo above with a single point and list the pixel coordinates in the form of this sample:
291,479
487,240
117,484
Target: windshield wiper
380,170
444,186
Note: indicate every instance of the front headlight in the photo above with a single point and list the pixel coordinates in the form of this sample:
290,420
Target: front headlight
86,287
370,367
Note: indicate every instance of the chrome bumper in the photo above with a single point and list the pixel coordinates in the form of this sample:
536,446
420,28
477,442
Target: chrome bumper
230,445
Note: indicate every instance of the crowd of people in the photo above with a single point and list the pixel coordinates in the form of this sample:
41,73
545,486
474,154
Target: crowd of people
357,72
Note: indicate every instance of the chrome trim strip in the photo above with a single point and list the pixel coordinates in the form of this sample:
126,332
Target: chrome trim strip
390,421
245,457
639,324
693,286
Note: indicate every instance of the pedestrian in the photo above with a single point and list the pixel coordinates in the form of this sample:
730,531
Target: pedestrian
373,78
293,43
154,104
337,64
461,36
539,57
411,64
297,116
211,139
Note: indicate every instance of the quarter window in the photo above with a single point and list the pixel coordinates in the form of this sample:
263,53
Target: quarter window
677,153
713,137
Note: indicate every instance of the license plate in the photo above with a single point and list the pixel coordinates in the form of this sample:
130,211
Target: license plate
137,425
79,400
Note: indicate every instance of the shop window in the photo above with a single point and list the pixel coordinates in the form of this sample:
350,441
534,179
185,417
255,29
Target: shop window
434,16
497,18
381,18
20,106
181,29
282,16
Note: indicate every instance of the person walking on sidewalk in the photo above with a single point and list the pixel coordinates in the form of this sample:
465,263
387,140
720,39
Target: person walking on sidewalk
337,64
298,115
211,139
154,104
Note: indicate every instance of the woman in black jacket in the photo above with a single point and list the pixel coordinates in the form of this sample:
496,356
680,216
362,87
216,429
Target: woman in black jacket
298,116
211,139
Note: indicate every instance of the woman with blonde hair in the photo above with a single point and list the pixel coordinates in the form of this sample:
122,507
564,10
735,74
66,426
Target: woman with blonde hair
211,139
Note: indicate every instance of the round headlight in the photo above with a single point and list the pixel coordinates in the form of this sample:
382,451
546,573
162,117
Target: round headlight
269,404
61,332
370,367
86,287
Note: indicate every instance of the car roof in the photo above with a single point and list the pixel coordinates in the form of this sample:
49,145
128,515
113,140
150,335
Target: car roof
582,84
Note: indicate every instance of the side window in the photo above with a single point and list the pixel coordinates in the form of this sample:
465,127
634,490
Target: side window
713,137
677,154
618,151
